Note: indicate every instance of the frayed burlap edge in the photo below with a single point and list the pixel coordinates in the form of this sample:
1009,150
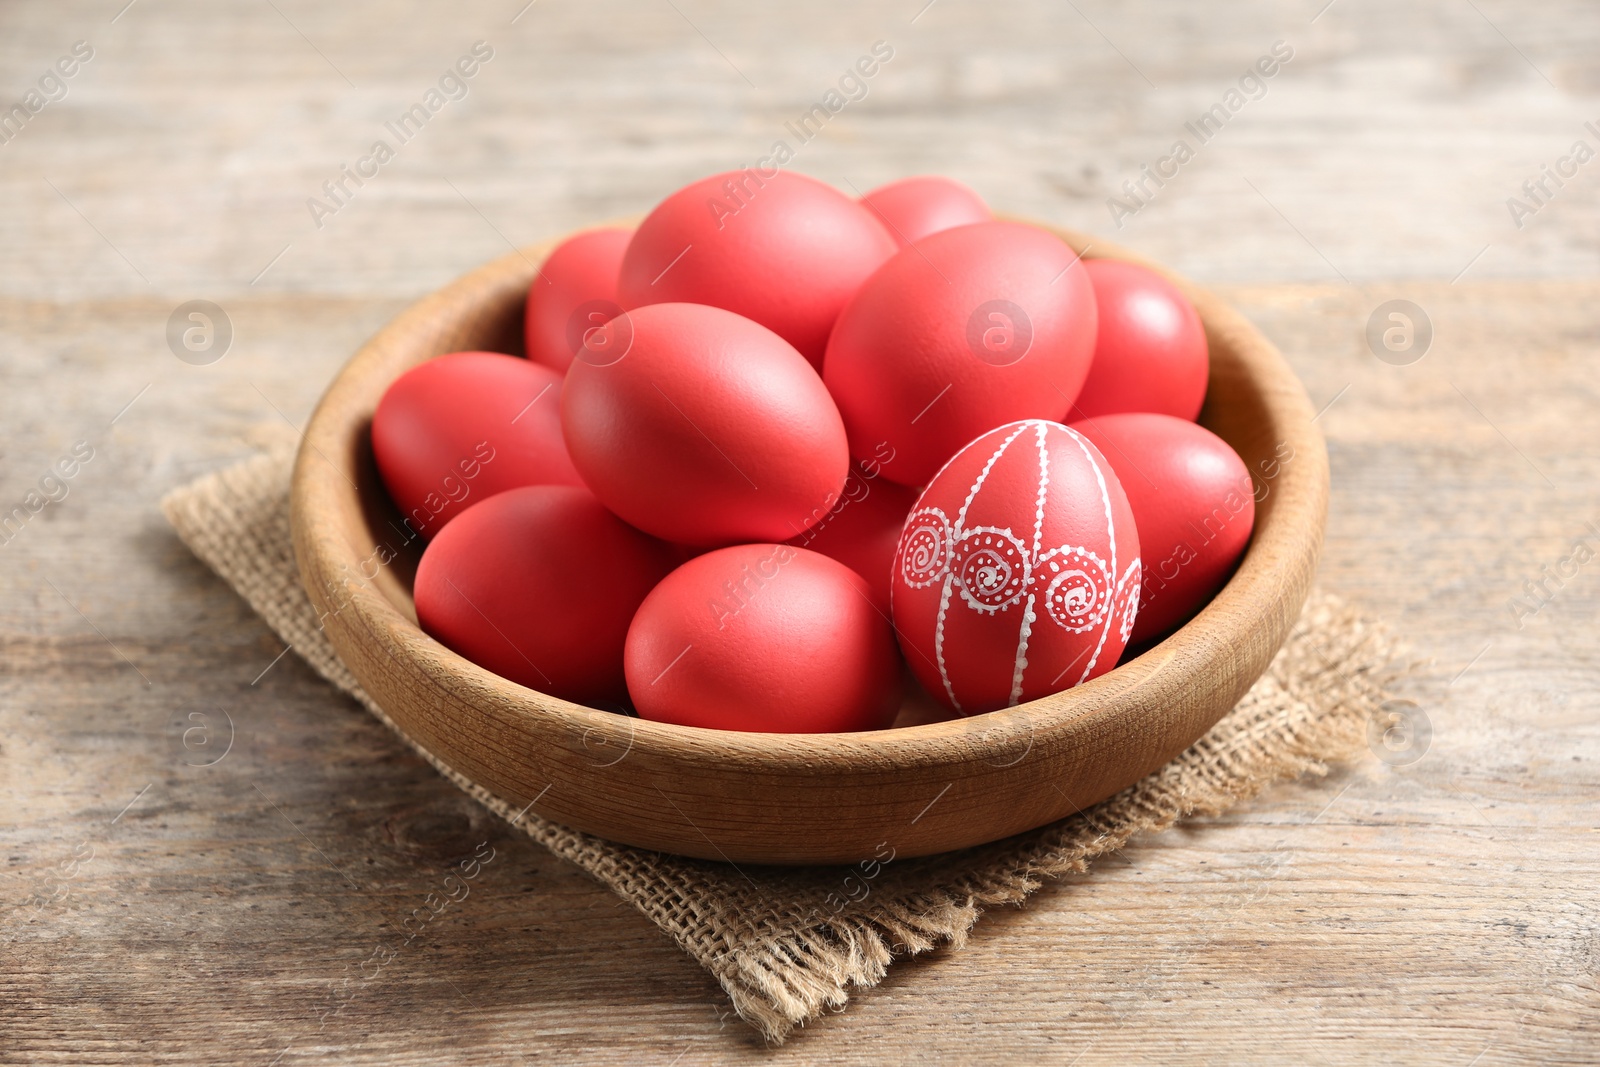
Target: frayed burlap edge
782,942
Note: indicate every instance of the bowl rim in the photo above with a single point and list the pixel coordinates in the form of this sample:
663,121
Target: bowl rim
1262,597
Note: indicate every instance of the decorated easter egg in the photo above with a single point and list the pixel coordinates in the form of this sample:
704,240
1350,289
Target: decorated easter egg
913,208
539,586
1150,353
1018,571
763,637
964,331
1193,501
573,293
703,427
862,530
776,247
465,426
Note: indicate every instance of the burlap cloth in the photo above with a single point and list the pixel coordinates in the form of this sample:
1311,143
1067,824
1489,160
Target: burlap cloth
772,936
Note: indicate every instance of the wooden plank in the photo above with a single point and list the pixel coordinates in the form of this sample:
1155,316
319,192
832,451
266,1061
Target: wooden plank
1435,912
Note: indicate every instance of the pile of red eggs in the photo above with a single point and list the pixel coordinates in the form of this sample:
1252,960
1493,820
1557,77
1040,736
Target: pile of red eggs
780,453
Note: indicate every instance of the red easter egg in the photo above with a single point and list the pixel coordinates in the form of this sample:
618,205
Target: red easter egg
763,637
465,426
1193,501
964,331
781,248
913,208
1150,353
539,585
573,293
702,427
1018,572
863,529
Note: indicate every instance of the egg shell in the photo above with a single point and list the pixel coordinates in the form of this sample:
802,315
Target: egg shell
573,292
764,637
783,249
913,208
863,529
1017,575
704,428
539,586
1150,353
1193,501
465,426
967,330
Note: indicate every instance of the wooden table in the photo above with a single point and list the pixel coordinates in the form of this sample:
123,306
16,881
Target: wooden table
159,910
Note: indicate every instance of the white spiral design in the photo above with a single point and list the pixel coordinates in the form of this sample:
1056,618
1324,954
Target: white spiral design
1128,588
991,569
925,548
1080,589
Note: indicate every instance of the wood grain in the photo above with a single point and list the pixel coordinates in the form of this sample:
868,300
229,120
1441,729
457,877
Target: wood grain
1441,912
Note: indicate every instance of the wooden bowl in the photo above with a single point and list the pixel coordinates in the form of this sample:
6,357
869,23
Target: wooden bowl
795,798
